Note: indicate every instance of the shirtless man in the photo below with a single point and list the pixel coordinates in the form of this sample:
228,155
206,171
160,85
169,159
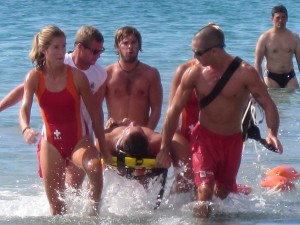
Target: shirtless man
129,139
217,139
133,89
278,45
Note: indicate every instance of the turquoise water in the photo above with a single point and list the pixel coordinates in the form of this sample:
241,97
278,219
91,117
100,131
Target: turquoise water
166,27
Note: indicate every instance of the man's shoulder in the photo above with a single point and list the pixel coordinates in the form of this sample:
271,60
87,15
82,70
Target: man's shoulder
149,69
111,67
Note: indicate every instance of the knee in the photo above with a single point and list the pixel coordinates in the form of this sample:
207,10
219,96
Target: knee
92,166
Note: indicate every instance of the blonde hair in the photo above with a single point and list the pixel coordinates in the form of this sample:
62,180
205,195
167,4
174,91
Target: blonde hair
42,41
86,34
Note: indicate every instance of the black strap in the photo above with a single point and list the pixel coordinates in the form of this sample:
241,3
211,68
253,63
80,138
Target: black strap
221,83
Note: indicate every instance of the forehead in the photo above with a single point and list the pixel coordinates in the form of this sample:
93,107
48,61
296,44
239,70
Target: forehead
96,44
58,40
279,15
197,44
129,38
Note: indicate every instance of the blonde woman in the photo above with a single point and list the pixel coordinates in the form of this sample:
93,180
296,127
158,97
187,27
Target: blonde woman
58,88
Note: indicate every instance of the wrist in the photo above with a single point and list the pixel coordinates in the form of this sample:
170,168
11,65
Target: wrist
26,128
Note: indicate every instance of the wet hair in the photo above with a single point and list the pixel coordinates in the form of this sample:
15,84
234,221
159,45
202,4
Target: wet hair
42,41
123,32
279,9
87,34
211,34
136,145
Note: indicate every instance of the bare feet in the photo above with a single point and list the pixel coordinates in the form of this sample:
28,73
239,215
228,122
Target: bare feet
202,210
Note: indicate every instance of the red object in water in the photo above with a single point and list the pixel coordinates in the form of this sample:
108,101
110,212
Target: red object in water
285,171
277,182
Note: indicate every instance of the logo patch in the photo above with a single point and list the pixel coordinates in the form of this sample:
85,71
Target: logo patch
202,173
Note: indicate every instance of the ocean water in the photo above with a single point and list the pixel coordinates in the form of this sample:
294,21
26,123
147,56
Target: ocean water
167,28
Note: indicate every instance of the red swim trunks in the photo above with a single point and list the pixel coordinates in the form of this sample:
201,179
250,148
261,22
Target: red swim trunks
216,158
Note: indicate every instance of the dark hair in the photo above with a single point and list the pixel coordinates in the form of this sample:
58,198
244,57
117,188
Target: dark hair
136,145
279,9
126,31
211,34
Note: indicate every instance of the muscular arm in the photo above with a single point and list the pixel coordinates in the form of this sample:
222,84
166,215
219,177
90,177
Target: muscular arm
261,95
156,97
260,54
12,98
176,80
170,124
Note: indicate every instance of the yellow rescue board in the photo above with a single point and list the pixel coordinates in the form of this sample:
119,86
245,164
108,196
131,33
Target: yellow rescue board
135,163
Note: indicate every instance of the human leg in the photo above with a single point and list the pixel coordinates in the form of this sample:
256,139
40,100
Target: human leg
293,83
204,196
53,167
86,156
228,168
74,175
203,161
181,158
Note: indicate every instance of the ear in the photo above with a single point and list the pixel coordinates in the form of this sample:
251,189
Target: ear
42,50
80,46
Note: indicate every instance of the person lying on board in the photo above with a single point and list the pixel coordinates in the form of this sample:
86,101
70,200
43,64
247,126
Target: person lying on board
126,139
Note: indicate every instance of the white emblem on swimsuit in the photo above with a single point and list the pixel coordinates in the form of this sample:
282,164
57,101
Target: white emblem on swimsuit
57,134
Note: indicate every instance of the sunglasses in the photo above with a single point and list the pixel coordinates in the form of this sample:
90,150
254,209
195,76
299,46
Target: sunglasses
200,53
94,51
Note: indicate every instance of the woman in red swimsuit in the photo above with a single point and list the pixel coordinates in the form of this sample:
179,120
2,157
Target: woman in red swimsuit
58,89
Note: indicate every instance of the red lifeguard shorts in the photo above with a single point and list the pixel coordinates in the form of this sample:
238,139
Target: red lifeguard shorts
216,158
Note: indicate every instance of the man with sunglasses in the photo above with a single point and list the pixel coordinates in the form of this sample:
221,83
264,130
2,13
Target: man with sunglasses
278,45
133,89
87,49
217,140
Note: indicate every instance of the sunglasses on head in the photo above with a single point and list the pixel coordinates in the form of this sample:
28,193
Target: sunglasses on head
200,53
94,51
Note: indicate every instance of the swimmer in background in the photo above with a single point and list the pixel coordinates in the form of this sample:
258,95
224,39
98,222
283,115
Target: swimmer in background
278,45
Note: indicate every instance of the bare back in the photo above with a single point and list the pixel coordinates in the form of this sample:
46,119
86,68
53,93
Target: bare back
134,94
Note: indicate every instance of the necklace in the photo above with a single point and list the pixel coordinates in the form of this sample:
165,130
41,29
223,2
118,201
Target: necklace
129,71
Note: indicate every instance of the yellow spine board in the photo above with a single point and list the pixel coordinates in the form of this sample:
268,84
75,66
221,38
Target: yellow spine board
134,163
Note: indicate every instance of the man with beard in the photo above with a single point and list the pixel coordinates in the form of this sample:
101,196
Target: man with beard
133,89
